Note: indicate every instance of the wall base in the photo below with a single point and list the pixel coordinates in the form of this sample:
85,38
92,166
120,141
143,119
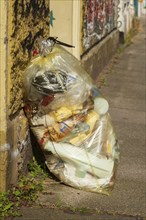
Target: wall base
98,57
20,150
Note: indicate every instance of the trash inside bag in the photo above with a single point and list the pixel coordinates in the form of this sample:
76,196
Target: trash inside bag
70,119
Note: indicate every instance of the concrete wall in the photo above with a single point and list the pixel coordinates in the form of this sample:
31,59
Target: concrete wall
22,23
98,57
141,8
126,15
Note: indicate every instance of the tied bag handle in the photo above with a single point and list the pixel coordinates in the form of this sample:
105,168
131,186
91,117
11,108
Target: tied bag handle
46,46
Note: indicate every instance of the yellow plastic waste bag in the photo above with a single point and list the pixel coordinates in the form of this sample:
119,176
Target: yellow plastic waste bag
70,119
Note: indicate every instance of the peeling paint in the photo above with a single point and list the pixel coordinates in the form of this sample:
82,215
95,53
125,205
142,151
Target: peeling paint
14,153
5,40
21,147
23,143
5,147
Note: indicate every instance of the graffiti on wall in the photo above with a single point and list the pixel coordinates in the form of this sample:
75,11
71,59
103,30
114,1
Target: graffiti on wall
99,18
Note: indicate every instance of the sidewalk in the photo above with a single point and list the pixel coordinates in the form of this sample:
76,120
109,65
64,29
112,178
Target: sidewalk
125,91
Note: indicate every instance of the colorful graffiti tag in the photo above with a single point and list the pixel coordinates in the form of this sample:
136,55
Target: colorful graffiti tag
99,19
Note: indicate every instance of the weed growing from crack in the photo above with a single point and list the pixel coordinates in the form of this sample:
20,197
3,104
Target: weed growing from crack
58,203
24,193
80,209
103,81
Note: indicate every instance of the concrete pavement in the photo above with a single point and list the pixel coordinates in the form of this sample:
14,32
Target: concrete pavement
126,93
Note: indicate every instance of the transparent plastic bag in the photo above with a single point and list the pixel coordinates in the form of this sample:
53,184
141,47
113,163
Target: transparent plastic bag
57,76
70,119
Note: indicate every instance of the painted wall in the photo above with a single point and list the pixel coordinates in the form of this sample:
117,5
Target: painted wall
22,23
4,146
141,7
66,23
126,15
76,22
62,25
144,7
100,36
136,7
27,20
99,18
